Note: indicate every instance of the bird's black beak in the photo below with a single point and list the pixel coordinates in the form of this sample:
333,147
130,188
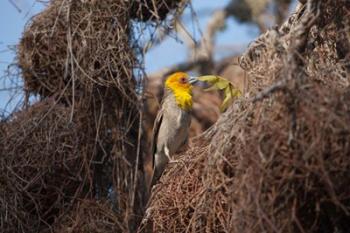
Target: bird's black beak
192,80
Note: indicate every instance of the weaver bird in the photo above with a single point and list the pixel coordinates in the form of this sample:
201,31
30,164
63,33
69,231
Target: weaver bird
170,130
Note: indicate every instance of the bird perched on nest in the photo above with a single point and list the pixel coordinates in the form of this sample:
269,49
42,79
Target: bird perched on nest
170,130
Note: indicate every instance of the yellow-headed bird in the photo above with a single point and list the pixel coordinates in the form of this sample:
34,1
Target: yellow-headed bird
170,130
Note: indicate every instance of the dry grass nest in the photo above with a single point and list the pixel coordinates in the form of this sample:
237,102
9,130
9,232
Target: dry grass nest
77,47
76,151
277,161
49,161
90,216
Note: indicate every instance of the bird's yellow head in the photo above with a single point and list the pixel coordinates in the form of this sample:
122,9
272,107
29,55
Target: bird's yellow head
180,84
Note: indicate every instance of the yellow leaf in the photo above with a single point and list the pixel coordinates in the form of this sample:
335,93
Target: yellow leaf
219,83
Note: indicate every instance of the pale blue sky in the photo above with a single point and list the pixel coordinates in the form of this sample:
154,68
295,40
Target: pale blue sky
12,24
171,51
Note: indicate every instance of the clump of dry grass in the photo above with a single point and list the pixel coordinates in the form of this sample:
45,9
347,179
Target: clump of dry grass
46,163
74,47
278,160
90,216
49,161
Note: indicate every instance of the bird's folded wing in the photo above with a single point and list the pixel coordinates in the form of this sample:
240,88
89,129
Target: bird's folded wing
156,126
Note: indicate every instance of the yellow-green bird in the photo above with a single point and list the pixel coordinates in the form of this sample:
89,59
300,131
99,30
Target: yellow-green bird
170,130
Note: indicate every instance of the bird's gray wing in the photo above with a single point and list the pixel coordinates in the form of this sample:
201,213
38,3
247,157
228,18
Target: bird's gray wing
156,126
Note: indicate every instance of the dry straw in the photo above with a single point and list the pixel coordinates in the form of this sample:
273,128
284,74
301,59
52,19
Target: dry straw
277,161
70,163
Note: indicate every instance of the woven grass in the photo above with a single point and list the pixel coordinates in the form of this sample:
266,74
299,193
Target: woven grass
77,150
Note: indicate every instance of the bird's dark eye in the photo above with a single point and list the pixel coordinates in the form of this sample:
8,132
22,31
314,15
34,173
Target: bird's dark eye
183,80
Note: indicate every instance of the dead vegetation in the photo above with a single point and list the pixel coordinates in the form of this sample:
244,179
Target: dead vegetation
72,162
277,161
90,216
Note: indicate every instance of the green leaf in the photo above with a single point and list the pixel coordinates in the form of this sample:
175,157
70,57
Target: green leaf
219,83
